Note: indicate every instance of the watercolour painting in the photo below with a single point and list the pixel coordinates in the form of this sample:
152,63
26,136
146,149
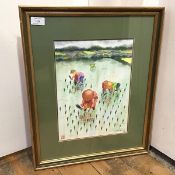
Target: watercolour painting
93,87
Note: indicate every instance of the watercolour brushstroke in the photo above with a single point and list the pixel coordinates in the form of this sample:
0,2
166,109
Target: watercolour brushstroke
93,84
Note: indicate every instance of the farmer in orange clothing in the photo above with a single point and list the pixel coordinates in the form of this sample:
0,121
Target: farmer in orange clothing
78,77
110,86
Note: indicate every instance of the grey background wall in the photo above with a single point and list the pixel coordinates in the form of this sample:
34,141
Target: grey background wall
14,120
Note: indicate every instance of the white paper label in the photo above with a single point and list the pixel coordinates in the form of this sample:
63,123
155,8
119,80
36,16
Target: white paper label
38,21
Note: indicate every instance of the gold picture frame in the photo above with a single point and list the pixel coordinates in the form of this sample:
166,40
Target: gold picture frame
124,22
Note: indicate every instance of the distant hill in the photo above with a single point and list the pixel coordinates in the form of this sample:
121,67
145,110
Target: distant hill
74,48
120,54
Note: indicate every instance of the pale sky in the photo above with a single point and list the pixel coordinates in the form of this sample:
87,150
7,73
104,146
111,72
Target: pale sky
88,44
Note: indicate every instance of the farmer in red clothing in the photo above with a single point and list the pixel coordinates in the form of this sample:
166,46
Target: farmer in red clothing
89,99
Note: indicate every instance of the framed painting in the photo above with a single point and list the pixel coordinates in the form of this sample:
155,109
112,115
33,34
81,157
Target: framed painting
91,77
93,82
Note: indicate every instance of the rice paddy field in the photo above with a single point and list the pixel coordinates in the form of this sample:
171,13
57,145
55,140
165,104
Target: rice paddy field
110,115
